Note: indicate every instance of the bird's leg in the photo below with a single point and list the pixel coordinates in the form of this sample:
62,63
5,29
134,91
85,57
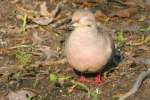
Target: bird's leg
83,79
97,81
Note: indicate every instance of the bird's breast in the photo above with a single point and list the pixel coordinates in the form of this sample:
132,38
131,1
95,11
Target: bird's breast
86,52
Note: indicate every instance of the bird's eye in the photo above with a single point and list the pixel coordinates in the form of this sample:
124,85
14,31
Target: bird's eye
89,25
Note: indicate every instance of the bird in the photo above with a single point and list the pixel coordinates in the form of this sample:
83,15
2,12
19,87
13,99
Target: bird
89,47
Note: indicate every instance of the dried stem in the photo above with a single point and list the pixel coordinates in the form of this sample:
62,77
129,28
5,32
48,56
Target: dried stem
137,84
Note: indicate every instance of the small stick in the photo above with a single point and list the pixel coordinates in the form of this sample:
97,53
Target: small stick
60,22
48,63
137,84
57,9
20,46
55,12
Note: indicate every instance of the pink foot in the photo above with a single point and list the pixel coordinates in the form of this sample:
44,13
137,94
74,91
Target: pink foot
83,79
97,81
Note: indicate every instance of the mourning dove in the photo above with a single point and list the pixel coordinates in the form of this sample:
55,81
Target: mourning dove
88,48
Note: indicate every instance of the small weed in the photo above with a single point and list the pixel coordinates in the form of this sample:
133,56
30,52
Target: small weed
53,77
36,82
23,57
119,39
24,24
29,98
81,86
147,29
95,94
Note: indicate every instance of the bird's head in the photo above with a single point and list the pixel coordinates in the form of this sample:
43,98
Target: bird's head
83,18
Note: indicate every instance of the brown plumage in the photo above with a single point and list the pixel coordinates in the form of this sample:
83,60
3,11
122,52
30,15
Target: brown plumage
89,47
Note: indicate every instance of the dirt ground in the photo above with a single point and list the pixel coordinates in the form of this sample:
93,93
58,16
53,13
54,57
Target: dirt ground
32,50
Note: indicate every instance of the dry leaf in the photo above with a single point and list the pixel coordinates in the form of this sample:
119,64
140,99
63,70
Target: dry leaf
48,18
132,27
147,4
147,21
43,10
48,52
130,3
125,12
42,20
134,3
37,39
20,95
100,16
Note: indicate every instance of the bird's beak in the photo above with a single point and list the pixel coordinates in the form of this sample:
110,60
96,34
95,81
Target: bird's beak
75,22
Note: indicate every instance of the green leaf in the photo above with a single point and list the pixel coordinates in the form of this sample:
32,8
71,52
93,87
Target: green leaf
23,56
147,29
53,77
95,94
119,39
24,19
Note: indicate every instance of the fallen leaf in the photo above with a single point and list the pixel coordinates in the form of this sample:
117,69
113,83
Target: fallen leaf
37,39
134,3
132,27
20,95
4,51
125,12
117,95
147,4
42,20
43,10
48,52
100,16
142,19
147,21
130,3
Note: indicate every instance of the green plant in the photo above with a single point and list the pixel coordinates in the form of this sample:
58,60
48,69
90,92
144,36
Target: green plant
29,98
95,94
81,86
119,39
24,24
146,29
53,77
22,56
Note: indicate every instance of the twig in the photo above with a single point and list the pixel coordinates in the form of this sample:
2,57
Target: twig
55,12
137,84
39,39
57,9
48,63
47,19
20,46
118,1
146,40
60,22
